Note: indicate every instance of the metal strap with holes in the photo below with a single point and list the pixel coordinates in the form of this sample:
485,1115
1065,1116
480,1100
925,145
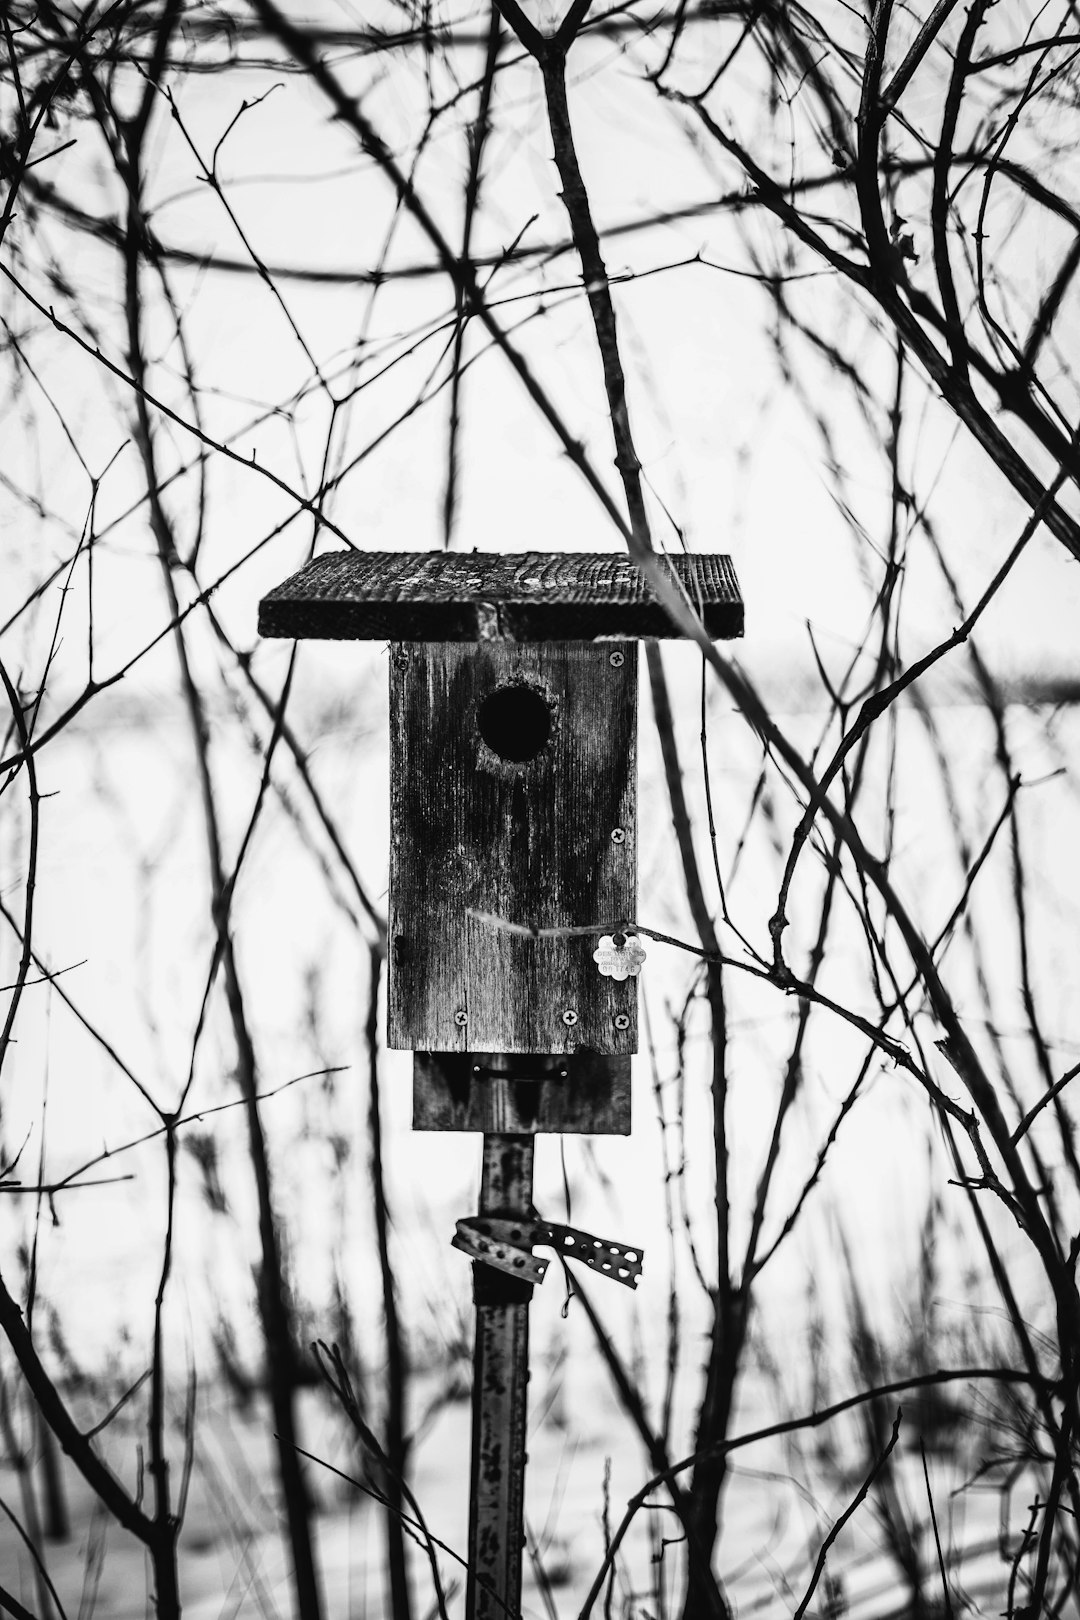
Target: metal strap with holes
504,1244
614,1260
507,1245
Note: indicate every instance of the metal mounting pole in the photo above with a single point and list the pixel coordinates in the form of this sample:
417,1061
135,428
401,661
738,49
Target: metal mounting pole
500,1396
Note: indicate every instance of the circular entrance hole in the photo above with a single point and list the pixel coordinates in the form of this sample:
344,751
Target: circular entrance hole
515,722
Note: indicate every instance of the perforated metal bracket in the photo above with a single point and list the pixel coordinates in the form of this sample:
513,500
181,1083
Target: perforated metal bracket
614,1260
504,1244
507,1245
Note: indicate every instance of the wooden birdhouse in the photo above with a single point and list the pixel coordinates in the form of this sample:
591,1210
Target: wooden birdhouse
513,817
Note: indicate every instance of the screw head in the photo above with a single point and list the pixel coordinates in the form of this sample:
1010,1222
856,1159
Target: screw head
616,660
461,1018
621,1021
618,835
569,1017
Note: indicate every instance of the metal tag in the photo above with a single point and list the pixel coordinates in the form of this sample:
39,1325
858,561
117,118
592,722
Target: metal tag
619,956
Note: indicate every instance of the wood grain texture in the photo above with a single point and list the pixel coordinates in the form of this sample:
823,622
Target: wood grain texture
527,843
482,596
592,1099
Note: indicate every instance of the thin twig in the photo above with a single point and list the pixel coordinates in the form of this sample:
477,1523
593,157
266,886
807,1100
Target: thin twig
1047,1096
945,1593
31,862
857,1499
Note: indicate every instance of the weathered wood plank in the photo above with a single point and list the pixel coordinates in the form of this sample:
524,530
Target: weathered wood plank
481,596
548,841
585,1095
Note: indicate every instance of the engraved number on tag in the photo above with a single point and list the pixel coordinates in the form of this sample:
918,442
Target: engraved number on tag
619,956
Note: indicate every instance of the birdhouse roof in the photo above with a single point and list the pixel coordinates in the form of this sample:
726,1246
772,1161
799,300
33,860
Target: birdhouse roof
486,595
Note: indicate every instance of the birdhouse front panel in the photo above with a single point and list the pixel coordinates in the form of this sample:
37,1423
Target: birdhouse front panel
513,823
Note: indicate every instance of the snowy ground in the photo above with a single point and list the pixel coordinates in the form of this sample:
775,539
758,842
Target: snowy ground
233,1561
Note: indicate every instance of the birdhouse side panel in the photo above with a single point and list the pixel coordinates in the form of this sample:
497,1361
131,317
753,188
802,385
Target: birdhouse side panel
513,806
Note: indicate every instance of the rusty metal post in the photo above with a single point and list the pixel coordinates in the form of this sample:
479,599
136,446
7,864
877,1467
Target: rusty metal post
500,1396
